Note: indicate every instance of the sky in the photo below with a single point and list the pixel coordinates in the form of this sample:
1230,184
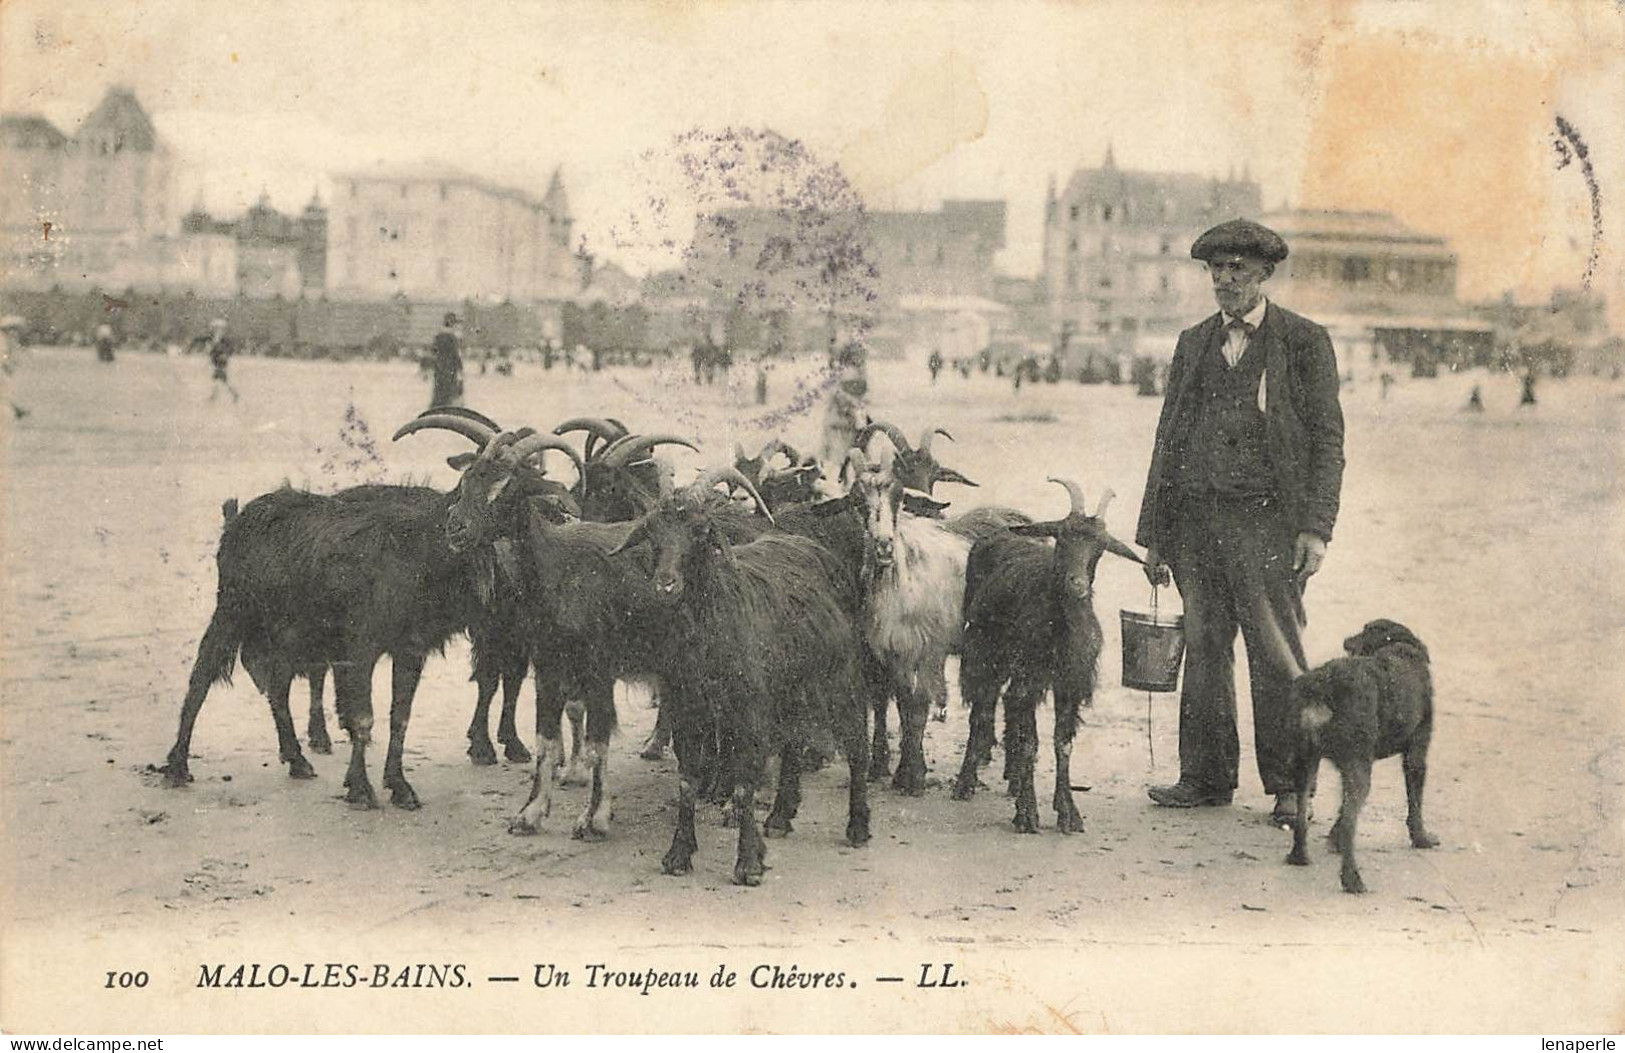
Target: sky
1445,115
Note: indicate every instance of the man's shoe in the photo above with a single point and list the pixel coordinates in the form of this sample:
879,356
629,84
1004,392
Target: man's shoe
1286,809
1187,795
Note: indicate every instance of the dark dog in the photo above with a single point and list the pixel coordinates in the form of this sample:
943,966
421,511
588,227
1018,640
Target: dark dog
1373,704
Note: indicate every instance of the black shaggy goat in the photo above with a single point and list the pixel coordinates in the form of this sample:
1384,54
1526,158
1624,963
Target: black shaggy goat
760,653
1030,623
310,580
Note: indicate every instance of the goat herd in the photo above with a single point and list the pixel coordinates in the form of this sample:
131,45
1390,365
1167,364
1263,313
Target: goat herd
774,618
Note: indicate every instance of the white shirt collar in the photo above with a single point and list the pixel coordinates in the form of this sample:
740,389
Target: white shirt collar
1255,317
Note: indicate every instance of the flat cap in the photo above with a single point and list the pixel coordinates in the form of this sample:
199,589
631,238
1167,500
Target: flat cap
1240,237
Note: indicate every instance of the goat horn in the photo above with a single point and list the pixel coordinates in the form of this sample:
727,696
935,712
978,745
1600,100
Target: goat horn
463,411
598,430
533,444
1074,491
733,477
623,450
925,440
893,432
949,475
473,430
1105,499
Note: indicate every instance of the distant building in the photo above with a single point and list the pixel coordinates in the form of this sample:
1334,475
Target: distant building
1117,251
438,233
87,208
276,254
908,273
1376,284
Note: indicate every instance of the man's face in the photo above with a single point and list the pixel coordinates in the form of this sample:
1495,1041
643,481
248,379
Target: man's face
1237,282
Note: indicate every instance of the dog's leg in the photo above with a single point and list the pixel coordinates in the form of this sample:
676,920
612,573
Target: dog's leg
1356,786
1416,773
1308,761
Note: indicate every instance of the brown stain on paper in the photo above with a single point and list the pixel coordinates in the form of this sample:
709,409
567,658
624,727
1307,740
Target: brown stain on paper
1387,136
932,110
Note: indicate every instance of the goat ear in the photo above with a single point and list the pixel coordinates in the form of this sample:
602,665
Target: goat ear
1117,548
460,461
921,504
948,475
834,506
496,489
1036,529
632,540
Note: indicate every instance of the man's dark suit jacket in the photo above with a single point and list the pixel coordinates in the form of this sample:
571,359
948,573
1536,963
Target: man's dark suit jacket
1304,422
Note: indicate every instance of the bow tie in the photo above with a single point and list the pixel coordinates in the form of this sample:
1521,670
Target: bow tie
1245,328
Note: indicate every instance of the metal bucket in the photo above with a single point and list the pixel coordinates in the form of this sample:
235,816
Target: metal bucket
1153,648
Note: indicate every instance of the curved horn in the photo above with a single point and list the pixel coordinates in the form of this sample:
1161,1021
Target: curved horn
463,411
1074,491
893,432
733,477
533,444
470,429
598,430
623,450
925,439
1105,499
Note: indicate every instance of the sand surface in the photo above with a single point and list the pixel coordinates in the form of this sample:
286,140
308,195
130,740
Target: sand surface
1497,537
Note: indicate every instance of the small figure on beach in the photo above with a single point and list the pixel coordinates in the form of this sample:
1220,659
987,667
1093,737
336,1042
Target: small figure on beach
447,357
1528,396
220,348
105,342
934,364
1475,401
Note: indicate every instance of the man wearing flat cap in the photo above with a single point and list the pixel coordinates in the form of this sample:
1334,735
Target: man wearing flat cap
1240,501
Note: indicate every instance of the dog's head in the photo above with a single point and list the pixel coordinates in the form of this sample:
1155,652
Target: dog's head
1382,633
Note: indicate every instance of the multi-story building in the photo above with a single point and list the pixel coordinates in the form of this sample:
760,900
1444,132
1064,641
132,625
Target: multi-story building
438,233
276,254
1376,284
83,209
1117,250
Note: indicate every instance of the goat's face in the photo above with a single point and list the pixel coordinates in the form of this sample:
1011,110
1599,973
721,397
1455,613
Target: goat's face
472,518
881,497
1080,541
680,534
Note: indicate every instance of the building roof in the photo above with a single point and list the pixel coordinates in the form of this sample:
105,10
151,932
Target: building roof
30,131
440,172
1326,224
120,122
1165,198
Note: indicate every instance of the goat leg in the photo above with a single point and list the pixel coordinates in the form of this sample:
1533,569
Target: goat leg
405,672
587,828
599,718
513,682
316,730
853,725
352,699
1067,819
287,741
913,707
687,743
880,747
575,713
787,801
549,754
480,750
982,697
749,866
654,747
1021,740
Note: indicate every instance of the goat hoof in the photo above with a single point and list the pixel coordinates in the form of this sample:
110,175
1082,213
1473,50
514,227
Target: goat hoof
572,778
482,753
405,798
1353,883
777,828
653,753
175,778
940,716
747,875
1423,839
299,768
522,827
1298,859
1026,821
1069,824
516,753
588,832
362,800
676,865
965,789
318,740
857,832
